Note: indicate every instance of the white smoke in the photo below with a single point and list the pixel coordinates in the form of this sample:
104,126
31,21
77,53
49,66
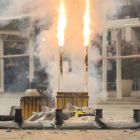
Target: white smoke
46,12
95,77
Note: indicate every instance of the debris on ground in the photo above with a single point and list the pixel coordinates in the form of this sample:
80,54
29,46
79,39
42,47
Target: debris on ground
109,138
56,132
83,130
8,131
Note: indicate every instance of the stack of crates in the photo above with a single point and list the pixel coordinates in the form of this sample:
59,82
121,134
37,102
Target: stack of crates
35,104
79,99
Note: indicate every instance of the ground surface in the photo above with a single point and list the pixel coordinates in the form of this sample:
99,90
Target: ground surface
113,109
70,135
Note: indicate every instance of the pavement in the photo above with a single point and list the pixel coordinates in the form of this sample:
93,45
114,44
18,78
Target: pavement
70,135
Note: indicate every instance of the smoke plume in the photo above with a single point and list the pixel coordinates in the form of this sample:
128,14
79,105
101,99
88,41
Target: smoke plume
45,12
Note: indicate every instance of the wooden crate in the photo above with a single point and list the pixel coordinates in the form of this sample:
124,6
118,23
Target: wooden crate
79,99
34,104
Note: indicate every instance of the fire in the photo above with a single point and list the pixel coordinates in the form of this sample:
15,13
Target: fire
87,24
61,24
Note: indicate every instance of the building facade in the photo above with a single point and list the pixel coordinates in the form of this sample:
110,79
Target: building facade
119,29
125,25
10,38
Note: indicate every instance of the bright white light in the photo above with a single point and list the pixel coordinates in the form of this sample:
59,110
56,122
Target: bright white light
43,39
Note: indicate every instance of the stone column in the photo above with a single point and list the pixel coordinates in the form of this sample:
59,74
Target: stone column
104,66
130,34
1,65
118,53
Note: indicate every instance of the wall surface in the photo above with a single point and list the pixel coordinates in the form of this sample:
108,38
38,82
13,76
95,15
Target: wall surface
7,100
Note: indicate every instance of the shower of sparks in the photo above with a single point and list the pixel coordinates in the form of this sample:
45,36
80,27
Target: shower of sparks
61,24
87,30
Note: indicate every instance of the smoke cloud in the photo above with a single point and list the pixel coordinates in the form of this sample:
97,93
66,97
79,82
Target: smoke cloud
46,13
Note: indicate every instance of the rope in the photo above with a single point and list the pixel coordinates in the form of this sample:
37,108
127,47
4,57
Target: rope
11,56
122,57
116,57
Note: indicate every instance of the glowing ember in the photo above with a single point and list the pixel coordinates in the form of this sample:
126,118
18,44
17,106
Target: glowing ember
87,24
61,24
43,39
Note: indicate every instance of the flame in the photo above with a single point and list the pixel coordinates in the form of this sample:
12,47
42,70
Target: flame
61,24
87,24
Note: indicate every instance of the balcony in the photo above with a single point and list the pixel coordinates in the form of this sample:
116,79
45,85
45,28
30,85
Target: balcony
123,12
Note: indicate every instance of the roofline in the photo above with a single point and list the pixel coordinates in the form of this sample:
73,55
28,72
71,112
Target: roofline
133,22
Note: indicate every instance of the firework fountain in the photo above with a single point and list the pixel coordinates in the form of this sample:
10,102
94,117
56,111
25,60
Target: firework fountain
86,43
61,39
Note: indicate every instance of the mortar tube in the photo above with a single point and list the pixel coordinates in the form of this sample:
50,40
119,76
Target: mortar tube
136,115
99,115
59,117
18,116
60,82
85,84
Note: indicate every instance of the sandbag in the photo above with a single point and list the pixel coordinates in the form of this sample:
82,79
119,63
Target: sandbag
52,114
45,109
48,116
67,114
9,125
49,124
90,112
85,108
76,108
120,124
85,122
41,119
70,107
32,125
37,115
38,125
34,117
41,114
